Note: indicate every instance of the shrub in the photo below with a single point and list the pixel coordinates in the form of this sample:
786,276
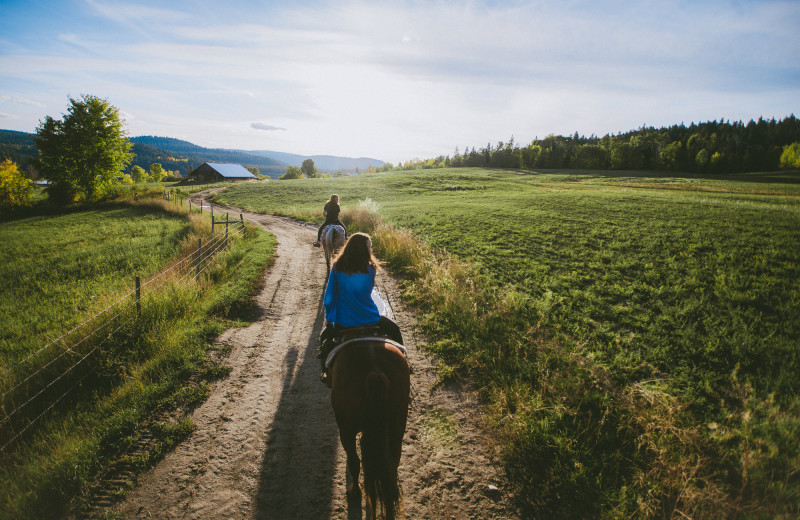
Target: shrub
790,158
15,189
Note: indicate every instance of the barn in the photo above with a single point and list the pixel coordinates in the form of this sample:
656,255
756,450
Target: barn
216,172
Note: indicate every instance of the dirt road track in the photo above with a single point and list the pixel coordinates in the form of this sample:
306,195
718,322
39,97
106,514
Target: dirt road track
266,444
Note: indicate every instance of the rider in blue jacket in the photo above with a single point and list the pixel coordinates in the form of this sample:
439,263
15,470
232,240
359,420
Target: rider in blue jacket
348,295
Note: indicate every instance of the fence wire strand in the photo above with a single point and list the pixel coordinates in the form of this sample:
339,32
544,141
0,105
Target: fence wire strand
191,262
77,327
54,381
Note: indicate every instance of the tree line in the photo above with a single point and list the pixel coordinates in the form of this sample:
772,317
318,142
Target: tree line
711,147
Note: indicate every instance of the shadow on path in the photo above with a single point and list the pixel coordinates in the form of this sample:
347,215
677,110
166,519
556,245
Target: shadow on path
298,473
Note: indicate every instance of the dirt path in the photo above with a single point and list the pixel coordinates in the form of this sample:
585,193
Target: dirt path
266,444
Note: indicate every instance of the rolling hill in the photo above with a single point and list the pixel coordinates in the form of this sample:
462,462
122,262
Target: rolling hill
328,163
183,156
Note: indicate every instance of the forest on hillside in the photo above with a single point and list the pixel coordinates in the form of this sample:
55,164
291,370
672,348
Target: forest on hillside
172,154
183,156
711,147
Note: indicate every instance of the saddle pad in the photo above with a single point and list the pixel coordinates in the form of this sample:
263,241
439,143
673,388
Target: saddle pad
332,355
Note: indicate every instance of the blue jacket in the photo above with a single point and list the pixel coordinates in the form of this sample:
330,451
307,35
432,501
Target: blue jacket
348,299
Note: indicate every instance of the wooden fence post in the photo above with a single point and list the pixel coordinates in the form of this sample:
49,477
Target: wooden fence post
226,230
138,297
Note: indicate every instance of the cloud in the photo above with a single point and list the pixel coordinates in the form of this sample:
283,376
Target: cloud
128,13
3,115
264,126
340,80
20,101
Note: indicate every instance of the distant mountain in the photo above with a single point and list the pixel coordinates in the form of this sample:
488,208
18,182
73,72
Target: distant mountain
329,163
174,154
183,156
17,146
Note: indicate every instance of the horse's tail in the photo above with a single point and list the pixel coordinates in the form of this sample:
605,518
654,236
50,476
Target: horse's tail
380,475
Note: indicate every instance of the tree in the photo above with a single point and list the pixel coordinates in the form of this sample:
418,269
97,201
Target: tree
156,172
701,159
671,156
620,156
15,188
292,172
790,158
84,152
308,169
138,174
590,157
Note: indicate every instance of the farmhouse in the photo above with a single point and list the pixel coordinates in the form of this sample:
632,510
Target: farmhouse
215,172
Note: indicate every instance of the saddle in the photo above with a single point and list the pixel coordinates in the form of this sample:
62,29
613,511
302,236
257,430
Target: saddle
333,341
348,333
332,354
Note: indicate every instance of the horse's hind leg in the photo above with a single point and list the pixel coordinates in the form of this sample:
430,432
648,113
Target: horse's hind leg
353,463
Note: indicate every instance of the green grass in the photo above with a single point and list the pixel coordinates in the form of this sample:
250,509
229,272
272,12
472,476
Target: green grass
60,268
147,371
611,318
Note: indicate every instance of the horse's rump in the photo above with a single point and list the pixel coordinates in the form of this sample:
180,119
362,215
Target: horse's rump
333,239
369,392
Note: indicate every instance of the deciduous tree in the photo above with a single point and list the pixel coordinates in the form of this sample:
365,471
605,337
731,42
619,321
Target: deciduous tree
308,169
790,158
156,172
84,152
138,174
292,172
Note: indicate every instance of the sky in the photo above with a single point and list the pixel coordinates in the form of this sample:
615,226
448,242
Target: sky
398,80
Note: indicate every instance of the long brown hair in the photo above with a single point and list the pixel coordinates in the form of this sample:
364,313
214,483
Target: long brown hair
356,255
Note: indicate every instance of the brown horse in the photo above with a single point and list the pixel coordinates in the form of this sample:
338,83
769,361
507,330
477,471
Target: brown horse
333,239
369,392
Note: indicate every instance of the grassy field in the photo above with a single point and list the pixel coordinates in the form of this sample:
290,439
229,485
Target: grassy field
637,335
59,268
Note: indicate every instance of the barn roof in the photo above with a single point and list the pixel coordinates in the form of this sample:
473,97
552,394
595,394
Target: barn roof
232,170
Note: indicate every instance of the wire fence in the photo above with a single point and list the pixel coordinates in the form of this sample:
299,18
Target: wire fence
33,387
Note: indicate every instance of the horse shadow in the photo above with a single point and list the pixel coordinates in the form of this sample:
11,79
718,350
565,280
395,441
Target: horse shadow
298,472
